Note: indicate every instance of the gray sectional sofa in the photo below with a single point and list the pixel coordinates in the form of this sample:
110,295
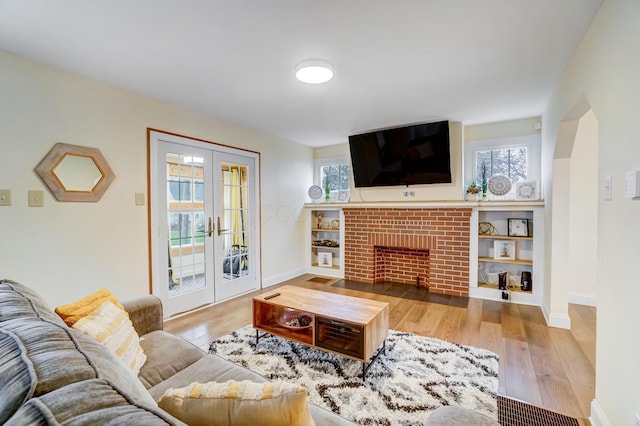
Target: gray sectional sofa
53,374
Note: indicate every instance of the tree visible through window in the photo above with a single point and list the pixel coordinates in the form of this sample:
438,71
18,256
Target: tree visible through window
511,162
338,176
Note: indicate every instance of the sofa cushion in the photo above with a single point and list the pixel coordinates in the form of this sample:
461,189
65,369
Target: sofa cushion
89,402
210,368
19,301
239,403
16,375
59,356
111,327
166,356
72,312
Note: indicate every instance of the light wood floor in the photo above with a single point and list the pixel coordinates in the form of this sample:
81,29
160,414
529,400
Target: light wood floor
548,367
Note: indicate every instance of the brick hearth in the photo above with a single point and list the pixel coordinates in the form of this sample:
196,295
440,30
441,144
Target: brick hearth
400,244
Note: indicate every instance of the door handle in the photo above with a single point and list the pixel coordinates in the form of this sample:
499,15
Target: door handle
210,231
220,230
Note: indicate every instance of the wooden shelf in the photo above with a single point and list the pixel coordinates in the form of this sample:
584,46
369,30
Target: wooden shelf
511,288
513,262
326,247
504,237
325,230
315,264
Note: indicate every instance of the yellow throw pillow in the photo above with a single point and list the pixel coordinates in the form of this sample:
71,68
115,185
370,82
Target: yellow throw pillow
239,403
74,311
112,327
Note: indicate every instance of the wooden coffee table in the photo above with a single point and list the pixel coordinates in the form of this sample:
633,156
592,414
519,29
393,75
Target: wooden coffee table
349,326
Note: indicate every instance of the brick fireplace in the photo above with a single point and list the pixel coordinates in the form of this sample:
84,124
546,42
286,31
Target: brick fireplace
429,246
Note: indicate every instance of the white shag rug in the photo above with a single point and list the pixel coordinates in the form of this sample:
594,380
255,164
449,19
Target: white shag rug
413,377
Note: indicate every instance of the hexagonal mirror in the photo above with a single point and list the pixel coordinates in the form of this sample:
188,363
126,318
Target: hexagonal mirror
75,173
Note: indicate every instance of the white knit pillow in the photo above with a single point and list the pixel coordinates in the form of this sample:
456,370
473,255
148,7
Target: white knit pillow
112,327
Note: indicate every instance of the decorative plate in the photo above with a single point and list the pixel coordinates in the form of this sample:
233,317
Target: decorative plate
295,320
343,196
526,190
499,185
315,192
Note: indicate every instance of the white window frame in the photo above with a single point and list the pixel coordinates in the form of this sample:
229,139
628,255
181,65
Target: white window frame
329,161
531,142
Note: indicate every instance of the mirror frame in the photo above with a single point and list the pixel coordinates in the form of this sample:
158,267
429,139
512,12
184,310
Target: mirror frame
53,158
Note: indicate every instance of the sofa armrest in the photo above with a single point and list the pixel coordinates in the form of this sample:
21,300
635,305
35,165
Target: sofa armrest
145,313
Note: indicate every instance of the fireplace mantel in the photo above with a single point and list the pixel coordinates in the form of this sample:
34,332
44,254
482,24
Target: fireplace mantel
430,204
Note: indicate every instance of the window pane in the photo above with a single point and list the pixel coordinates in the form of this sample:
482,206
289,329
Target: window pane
338,175
198,191
511,162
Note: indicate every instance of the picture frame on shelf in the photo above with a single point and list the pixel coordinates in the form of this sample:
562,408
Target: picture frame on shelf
527,190
504,250
325,259
518,227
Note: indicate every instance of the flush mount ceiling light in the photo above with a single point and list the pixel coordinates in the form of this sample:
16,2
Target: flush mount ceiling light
314,71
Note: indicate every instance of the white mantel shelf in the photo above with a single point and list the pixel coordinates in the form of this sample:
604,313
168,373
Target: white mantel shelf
429,204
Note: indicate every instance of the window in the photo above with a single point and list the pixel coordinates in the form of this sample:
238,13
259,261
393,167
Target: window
336,173
516,157
511,162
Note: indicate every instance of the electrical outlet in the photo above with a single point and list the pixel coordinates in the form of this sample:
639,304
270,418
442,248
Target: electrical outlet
36,198
408,194
505,295
5,197
139,197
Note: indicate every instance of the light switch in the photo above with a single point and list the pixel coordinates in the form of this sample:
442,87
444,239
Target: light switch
36,198
139,198
607,189
632,184
5,197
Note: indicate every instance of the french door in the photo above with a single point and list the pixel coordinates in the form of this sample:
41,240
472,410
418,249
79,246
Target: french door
204,223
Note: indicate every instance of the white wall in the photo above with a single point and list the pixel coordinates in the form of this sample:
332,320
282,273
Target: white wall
67,250
502,129
604,70
583,206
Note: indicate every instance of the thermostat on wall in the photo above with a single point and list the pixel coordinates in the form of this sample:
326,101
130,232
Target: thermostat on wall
632,185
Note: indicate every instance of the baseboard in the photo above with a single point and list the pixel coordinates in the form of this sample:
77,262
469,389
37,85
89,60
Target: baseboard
583,299
556,320
598,417
277,279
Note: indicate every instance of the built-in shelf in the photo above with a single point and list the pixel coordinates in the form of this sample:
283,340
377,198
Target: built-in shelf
513,262
334,267
495,286
504,237
325,224
527,252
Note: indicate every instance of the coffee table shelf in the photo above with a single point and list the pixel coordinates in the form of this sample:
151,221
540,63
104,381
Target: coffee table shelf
349,326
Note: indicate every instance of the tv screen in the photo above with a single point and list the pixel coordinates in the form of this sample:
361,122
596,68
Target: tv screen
410,155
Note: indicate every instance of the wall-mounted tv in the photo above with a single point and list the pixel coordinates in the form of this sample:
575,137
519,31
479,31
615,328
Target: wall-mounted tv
410,155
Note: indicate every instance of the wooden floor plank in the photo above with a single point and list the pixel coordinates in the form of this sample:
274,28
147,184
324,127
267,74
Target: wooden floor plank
541,365
578,368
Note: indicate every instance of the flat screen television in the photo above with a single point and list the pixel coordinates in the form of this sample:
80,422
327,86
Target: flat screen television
410,155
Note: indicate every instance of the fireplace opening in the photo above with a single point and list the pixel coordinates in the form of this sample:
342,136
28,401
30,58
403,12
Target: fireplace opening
401,265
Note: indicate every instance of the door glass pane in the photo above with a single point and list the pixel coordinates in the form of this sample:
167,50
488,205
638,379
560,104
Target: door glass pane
234,221
185,213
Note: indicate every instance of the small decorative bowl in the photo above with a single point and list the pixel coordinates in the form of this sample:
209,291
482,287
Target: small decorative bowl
295,320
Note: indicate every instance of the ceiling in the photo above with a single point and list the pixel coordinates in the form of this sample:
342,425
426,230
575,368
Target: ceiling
396,62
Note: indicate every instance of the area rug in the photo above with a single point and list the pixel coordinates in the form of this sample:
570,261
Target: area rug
412,378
